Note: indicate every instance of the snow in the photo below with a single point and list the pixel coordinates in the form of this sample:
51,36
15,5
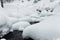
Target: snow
19,14
31,18
5,23
58,39
12,20
20,25
2,39
53,5
2,20
48,29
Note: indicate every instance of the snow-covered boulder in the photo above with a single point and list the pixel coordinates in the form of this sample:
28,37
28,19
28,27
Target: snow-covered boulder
6,23
48,29
4,30
2,39
45,13
20,25
51,5
36,17
5,26
47,5
30,18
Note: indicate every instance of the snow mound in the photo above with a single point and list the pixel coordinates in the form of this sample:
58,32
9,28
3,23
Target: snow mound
48,29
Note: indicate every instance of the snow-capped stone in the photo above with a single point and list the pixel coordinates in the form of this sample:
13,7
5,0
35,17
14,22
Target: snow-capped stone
20,25
52,5
4,30
48,29
31,18
45,13
3,39
6,23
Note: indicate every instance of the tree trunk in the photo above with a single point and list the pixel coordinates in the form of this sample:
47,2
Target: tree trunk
2,4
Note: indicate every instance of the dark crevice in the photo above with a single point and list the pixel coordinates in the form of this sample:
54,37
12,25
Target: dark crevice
15,35
28,39
34,22
39,10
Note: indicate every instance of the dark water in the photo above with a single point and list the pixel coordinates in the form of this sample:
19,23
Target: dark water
15,35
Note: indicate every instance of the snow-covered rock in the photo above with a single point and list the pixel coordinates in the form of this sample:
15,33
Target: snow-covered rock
2,39
31,18
5,26
45,13
6,23
47,5
48,29
4,30
20,25
51,5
